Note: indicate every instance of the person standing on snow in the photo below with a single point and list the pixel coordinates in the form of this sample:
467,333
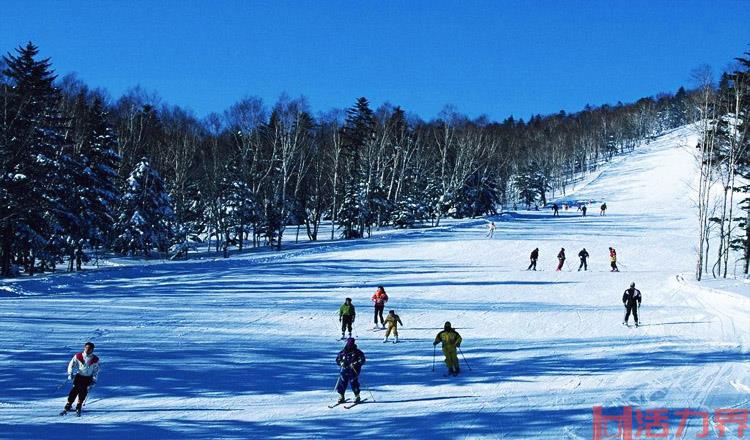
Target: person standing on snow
379,298
490,230
85,365
533,257
613,260
347,313
583,255
350,359
603,209
451,340
555,208
393,322
631,298
583,210
560,259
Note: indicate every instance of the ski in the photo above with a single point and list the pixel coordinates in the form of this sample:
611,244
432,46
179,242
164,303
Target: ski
337,404
354,404
63,412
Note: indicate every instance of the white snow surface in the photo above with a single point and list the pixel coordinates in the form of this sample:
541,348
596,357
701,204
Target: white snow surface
245,347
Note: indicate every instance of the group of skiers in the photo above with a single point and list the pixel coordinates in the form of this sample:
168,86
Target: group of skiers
83,368
351,359
583,255
583,208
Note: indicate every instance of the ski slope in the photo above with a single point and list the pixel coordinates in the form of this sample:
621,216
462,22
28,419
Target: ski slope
245,347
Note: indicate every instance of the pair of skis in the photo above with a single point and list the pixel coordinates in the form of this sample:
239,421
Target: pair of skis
66,411
344,403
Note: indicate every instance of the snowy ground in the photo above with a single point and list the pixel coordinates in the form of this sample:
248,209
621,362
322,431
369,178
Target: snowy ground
245,347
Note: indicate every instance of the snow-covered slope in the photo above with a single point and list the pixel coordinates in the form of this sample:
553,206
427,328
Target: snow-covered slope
245,347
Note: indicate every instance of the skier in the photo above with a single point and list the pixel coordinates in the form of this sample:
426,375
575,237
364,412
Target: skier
350,359
631,298
583,255
603,209
561,259
85,365
555,208
613,260
451,341
490,229
583,210
347,313
393,322
533,257
379,298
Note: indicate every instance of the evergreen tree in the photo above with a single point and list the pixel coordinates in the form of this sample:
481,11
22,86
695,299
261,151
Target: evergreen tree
30,143
145,216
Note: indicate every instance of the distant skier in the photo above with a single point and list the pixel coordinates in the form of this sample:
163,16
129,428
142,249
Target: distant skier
583,210
379,298
490,229
533,257
347,313
631,298
560,259
555,208
603,209
393,322
451,340
350,359
583,255
613,260
85,366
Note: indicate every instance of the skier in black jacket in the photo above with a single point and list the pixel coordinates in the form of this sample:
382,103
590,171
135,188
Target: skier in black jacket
631,298
533,257
350,359
583,255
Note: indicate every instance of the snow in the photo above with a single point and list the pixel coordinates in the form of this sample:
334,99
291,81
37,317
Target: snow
245,347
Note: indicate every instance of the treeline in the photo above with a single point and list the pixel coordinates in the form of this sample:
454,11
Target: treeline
80,173
723,155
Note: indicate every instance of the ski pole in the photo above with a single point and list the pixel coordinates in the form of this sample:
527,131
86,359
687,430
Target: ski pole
61,385
462,355
434,348
336,387
362,385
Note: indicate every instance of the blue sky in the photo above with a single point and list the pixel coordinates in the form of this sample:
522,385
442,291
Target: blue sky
485,57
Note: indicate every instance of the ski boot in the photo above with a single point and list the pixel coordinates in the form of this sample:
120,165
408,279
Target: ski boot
342,399
385,340
357,399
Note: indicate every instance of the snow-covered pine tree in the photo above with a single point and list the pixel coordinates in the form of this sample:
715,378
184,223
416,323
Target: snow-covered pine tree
145,214
30,182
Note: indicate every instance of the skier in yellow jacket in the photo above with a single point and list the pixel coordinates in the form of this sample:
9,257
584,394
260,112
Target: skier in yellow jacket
451,341
392,321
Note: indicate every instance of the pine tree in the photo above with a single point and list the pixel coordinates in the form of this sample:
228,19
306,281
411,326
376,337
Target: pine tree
30,144
145,216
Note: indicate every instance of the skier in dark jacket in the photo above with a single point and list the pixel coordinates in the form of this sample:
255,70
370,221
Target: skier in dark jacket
350,359
533,257
583,255
347,313
603,209
555,208
561,259
583,210
631,298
